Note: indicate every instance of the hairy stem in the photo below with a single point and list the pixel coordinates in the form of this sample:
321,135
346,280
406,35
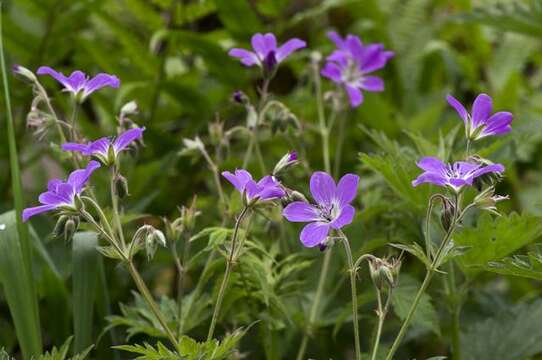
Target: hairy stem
115,206
227,274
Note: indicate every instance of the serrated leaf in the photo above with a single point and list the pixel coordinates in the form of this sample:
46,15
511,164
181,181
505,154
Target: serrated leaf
416,250
527,266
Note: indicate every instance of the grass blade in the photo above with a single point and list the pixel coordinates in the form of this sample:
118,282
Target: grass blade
17,287
84,278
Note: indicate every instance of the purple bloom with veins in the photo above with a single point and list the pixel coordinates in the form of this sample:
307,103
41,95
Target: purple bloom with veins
79,83
266,54
332,209
268,188
105,148
454,175
480,122
60,195
351,63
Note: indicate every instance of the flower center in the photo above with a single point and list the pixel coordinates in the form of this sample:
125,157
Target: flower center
351,73
330,212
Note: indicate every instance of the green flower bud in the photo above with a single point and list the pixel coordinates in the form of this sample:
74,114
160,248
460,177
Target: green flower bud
383,273
121,186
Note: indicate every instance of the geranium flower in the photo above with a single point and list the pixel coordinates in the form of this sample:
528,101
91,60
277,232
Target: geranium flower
60,195
268,188
78,83
332,209
480,123
454,175
350,64
266,54
105,148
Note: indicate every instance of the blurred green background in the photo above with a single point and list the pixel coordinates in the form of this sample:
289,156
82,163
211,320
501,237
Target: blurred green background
171,57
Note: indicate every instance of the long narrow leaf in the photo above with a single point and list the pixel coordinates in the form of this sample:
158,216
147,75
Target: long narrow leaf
85,271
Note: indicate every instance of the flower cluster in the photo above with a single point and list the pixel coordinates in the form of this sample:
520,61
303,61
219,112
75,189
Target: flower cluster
267,188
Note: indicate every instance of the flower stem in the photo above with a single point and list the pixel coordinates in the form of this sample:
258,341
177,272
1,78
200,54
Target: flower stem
216,177
381,312
225,280
324,130
352,271
339,147
115,206
455,309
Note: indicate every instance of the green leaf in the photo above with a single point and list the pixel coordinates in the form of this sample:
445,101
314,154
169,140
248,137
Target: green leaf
229,12
84,278
495,237
416,250
513,334
62,353
527,266
18,288
403,296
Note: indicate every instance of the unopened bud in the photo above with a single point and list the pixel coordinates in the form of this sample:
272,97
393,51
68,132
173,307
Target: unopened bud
487,200
70,228
129,108
216,132
240,97
384,273
24,73
111,156
285,162
448,213
269,65
121,186
195,144
150,238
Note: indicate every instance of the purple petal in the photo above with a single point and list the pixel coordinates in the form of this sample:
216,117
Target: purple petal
377,61
355,95
99,147
77,81
431,164
58,76
248,58
53,184
289,47
337,39
99,81
252,189
459,108
239,179
354,45
126,138
463,167
270,193
494,168
347,189
82,148
498,124
314,233
263,44
481,110
372,83
345,217
332,71
29,212
300,211
50,198
79,178
322,188
458,183
431,178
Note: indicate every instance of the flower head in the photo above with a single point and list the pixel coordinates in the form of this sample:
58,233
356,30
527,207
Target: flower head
268,188
106,149
61,194
266,54
480,122
454,175
78,83
285,162
350,64
331,211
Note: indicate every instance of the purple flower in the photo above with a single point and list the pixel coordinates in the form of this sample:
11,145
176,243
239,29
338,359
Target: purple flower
350,64
106,149
266,54
480,123
78,82
268,188
61,194
332,209
285,162
454,175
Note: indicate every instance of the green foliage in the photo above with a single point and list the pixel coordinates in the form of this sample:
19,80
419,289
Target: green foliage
527,266
493,238
62,353
513,334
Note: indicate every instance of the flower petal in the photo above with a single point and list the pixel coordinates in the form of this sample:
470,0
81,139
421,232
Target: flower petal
498,124
459,108
289,47
431,164
82,148
248,58
126,138
322,187
77,81
99,81
431,178
300,211
493,168
314,234
79,178
58,76
332,71
347,189
263,44
481,110
372,83
337,39
355,95
51,198
29,212
345,217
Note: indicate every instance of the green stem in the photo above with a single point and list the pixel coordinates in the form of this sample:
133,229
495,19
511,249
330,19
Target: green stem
381,317
115,206
144,290
18,197
216,177
324,130
352,271
73,131
339,148
225,280
455,311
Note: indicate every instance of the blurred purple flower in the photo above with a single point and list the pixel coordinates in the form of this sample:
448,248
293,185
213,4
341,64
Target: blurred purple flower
61,194
79,82
454,175
105,147
480,123
350,64
266,54
332,209
268,188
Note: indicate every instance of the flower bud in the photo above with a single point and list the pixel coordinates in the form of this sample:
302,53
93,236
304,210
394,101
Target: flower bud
129,108
150,238
269,65
79,205
447,214
24,73
111,156
240,98
195,144
487,200
66,227
285,162
384,273
121,186
216,132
